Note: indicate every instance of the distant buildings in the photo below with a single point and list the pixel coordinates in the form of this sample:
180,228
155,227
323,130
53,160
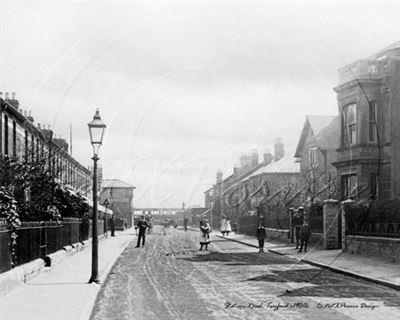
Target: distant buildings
227,196
120,196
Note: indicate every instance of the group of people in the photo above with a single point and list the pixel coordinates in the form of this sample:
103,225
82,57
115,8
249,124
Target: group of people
226,227
302,231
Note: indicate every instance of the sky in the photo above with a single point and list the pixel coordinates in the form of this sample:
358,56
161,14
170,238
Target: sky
184,87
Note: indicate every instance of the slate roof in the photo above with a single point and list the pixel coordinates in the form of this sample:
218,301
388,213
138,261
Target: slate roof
284,165
326,130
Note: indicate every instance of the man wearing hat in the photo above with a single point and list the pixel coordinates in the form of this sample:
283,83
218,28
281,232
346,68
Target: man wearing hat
298,220
142,226
304,234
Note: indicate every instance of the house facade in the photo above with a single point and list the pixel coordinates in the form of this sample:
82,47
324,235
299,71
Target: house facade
368,95
119,195
22,138
316,151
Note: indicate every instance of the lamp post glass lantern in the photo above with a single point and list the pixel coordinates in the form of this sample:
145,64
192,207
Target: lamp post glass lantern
96,130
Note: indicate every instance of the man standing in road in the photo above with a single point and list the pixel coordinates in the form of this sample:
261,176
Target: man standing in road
305,233
185,222
142,226
298,220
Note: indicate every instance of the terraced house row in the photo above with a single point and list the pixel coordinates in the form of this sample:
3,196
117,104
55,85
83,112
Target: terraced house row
21,138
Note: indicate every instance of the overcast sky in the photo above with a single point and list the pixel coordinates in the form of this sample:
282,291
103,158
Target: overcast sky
184,87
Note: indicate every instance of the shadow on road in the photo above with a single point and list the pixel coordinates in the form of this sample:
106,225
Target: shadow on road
329,284
240,258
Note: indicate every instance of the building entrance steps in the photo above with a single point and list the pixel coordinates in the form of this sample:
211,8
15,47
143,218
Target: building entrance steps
372,269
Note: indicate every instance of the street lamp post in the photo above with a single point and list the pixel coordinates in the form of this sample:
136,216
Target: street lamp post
96,130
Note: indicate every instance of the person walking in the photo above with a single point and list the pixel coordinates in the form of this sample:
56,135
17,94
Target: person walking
150,223
228,227
298,220
261,235
165,224
223,226
235,226
112,226
142,226
185,223
205,238
305,233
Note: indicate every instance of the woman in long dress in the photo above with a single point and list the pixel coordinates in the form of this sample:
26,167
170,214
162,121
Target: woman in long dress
205,230
223,226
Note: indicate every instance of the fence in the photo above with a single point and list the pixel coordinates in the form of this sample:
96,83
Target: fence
378,219
5,255
39,239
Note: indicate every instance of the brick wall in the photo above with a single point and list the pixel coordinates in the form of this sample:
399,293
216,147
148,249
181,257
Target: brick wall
387,248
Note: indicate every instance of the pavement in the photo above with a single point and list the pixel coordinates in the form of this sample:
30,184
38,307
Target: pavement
372,269
62,291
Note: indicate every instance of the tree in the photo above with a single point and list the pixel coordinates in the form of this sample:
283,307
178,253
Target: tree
8,211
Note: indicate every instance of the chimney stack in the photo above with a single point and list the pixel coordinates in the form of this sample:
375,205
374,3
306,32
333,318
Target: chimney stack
254,158
219,176
7,96
268,157
30,118
278,150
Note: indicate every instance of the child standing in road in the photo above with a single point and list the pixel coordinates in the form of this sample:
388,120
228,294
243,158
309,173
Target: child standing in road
261,235
205,238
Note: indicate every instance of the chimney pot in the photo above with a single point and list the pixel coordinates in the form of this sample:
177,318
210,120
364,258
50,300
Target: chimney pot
38,125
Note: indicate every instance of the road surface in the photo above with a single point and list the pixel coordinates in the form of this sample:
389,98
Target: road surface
170,279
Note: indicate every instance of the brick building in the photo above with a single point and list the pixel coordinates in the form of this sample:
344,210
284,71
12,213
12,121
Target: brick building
316,150
226,196
368,95
21,138
120,196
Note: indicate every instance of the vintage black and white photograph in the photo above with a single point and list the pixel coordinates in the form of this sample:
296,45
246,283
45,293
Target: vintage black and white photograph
199,159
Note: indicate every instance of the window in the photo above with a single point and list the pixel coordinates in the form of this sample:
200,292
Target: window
37,149
349,186
312,157
33,148
349,121
5,135
373,184
373,109
26,146
14,139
